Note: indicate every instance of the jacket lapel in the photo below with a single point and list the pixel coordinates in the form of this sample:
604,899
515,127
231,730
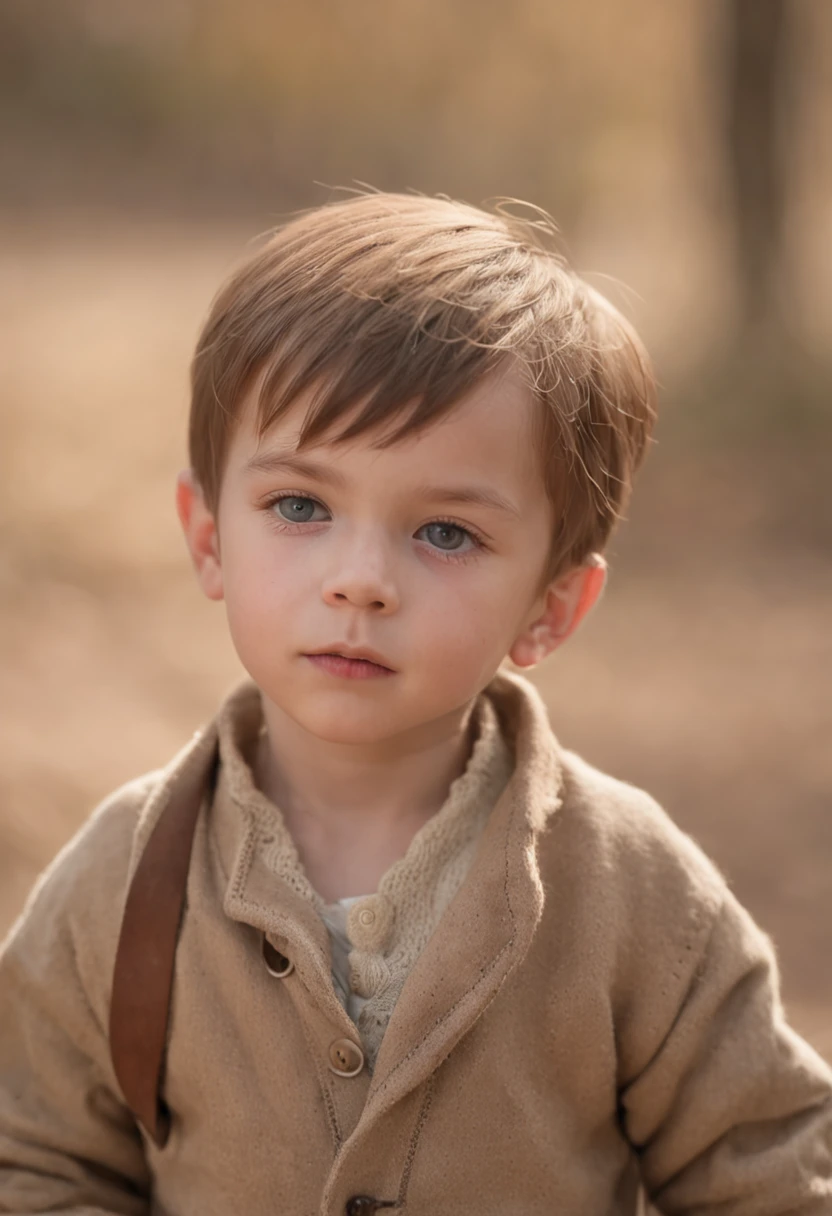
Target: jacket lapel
488,928
256,896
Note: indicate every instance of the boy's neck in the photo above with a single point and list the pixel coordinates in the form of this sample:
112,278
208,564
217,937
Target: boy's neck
351,811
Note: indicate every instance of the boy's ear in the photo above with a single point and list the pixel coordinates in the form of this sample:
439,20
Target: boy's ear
568,600
201,536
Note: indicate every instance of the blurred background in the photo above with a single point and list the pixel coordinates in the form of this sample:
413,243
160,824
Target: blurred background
684,150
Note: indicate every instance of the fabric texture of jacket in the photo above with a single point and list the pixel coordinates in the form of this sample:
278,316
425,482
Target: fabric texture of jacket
594,1011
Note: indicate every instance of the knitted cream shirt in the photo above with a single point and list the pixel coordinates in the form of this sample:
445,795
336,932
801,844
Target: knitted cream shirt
388,929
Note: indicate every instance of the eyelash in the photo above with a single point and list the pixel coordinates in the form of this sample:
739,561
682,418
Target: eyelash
285,525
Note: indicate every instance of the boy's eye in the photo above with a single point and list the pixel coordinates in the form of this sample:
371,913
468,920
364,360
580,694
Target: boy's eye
444,532
295,509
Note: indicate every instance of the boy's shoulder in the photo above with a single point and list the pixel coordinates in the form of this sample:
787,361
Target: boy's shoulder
622,814
85,884
91,873
68,931
75,907
96,859
622,848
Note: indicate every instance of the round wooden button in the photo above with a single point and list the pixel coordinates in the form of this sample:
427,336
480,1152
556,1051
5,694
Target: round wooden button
346,1059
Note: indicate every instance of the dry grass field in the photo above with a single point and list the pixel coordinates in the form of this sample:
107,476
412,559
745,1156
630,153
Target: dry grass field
704,675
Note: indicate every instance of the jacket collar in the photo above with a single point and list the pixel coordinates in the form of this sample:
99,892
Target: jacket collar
484,933
488,928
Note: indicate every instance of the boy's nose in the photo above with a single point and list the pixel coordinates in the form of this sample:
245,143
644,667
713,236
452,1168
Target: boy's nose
363,586
361,597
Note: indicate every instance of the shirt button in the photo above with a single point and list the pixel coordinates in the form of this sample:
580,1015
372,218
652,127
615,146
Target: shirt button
277,964
370,923
346,1059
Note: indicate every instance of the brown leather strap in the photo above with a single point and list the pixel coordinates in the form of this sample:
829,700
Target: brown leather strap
143,972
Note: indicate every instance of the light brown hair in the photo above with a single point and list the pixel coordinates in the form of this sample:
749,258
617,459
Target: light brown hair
404,303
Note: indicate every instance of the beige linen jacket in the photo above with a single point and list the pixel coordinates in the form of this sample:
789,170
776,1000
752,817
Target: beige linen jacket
593,1011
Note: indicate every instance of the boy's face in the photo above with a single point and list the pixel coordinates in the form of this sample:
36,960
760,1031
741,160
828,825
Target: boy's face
367,548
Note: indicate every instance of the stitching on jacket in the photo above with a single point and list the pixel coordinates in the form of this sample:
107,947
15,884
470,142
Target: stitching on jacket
247,854
214,850
488,969
329,1101
439,1021
483,976
414,1141
243,867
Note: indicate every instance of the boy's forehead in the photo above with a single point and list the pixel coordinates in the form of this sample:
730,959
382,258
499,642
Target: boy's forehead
489,432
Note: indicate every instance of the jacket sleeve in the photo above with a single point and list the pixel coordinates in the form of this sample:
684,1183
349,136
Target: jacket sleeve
67,1142
733,1112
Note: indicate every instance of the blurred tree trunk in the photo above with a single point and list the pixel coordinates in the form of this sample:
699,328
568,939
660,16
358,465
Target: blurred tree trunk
757,113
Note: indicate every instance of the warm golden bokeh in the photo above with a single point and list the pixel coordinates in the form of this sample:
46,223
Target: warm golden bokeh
144,146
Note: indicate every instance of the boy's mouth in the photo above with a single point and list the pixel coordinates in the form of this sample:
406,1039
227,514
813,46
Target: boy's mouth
351,666
358,657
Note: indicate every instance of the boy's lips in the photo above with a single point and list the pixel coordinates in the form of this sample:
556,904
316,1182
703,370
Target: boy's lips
350,669
352,652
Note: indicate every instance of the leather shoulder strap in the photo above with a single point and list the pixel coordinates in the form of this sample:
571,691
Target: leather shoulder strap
143,972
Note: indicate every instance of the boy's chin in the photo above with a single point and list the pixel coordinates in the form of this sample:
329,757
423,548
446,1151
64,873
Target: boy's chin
345,728
337,719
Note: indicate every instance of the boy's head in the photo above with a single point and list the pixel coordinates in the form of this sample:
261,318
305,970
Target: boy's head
407,345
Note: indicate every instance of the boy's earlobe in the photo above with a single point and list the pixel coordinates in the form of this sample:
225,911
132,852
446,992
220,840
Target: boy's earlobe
568,600
200,529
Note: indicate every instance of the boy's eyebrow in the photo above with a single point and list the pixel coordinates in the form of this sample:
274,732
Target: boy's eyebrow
484,496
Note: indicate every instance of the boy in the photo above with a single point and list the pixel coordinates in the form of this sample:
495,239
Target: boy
427,961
